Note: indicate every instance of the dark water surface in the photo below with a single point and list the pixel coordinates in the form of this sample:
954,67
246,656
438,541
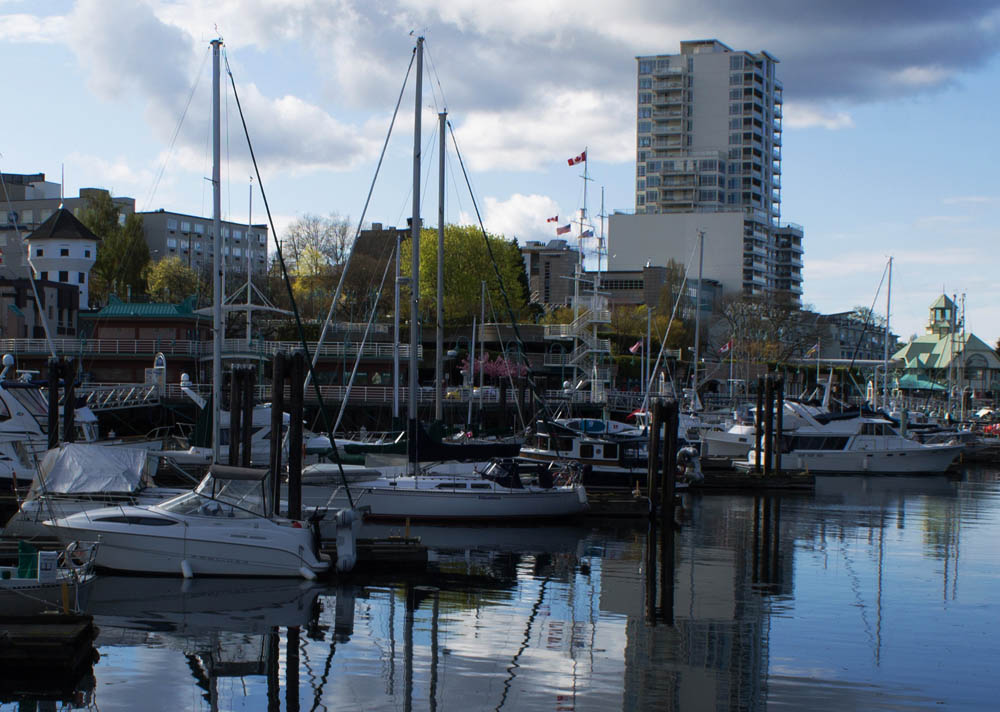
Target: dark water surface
869,594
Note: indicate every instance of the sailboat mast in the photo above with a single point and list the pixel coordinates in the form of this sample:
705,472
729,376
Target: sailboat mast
885,342
415,266
697,312
439,346
395,334
249,258
219,325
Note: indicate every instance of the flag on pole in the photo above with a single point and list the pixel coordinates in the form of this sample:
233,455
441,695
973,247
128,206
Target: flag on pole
578,159
554,218
562,230
587,233
635,347
813,351
726,346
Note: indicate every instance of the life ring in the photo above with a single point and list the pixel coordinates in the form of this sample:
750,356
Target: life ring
76,557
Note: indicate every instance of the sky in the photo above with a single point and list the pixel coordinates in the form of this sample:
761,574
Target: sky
888,143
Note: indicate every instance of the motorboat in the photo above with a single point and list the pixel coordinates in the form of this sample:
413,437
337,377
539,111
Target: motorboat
495,493
857,442
76,477
46,580
224,527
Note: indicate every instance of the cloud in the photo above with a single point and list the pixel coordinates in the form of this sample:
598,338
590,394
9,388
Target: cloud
803,115
24,28
520,216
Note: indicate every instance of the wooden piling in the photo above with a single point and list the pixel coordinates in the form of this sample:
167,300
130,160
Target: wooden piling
53,403
277,423
758,425
248,400
69,401
768,423
669,467
297,379
235,415
779,422
653,450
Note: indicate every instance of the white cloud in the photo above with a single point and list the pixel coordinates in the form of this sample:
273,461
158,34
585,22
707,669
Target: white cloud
802,115
921,76
970,200
558,125
520,216
23,28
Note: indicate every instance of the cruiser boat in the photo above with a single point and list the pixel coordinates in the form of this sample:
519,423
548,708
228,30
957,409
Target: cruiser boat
224,527
857,443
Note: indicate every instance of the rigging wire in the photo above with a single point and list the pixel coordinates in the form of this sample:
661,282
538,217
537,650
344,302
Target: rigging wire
503,291
437,79
177,130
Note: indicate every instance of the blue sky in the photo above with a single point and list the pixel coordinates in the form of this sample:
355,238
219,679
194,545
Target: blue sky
887,148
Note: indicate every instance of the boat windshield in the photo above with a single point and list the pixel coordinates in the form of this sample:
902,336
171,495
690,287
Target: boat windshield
221,498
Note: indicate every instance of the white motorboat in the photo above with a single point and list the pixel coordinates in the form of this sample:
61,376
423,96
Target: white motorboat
224,527
495,494
76,477
857,443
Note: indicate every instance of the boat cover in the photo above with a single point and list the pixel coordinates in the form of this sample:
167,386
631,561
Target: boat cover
73,467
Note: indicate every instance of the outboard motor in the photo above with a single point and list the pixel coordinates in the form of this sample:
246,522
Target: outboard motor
348,526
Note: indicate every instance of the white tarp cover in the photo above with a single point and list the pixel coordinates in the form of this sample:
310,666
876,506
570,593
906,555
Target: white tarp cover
90,468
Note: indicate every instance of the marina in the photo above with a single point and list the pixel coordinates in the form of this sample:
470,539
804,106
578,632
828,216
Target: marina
854,596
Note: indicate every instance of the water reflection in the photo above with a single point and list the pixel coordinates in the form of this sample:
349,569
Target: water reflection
870,592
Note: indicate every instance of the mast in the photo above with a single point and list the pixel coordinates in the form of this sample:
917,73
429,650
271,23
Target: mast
439,346
217,319
249,258
411,429
885,344
697,313
395,334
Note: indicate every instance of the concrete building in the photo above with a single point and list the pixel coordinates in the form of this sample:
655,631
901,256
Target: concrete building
550,268
190,238
708,157
20,318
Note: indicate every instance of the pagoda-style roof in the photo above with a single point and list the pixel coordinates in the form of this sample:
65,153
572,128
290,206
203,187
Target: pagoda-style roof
117,309
62,225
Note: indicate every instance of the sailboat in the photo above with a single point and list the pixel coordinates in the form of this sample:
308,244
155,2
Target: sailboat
495,491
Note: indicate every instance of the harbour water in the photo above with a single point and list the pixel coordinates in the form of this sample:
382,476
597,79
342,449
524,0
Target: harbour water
869,593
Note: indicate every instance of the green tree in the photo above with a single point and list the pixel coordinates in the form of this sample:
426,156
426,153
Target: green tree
467,264
122,253
313,284
171,280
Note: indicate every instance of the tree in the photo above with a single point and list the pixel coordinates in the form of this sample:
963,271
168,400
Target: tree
171,280
330,236
467,264
122,253
865,315
767,329
314,283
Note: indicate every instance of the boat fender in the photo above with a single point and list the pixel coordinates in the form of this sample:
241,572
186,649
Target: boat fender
307,573
186,571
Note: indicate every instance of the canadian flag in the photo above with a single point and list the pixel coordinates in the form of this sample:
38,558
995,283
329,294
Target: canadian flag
554,218
726,346
578,159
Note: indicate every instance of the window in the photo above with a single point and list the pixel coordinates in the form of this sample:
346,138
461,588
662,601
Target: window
225,231
645,112
640,184
734,94
185,226
644,141
736,62
64,252
27,217
121,219
199,229
197,246
39,252
641,170
653,166
734,139
645,98
653,181
171,242
645,127
81,278
645,83
735,79
262,239
734,109
237,234
236,252
645,66
44,275
63,276
652,195
171,224
86,253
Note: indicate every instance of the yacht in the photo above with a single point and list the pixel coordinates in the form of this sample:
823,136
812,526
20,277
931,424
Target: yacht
856,442
224,527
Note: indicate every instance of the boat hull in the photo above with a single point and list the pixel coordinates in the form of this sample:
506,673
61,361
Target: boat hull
430,504
928,459
196,550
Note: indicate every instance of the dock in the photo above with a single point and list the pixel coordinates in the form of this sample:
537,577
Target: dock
729,481
47,645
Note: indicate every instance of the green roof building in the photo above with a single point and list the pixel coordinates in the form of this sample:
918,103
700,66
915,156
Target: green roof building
947,354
